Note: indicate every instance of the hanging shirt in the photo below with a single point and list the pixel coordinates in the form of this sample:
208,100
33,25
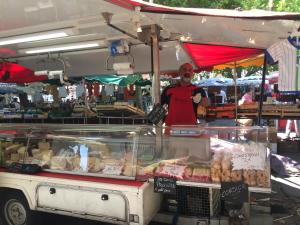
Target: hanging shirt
62,91
109,90
79,90
96,89
181,109
288,56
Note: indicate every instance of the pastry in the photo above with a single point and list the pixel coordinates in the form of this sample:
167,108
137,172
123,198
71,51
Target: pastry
226,176
201,174
262,178
250,177
216,175
236,175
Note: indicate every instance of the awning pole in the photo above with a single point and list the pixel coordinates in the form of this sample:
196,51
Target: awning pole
235,93
156,63
156,81
262,89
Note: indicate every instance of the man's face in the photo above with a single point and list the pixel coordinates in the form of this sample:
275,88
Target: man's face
186,73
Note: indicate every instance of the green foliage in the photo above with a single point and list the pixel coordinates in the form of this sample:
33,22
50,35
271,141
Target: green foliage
278,5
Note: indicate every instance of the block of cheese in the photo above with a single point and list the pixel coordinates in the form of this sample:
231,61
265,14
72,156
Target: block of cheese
12,148
14,157
44,146
58,163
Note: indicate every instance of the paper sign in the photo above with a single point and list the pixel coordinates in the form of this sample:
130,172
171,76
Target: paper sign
173,170
249,159
166,185
112,170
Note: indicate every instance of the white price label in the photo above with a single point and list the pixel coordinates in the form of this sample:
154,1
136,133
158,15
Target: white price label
112,170
173,170
254,159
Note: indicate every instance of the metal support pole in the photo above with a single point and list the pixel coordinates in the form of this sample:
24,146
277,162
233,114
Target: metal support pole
156,63
235,93
262,89
156,80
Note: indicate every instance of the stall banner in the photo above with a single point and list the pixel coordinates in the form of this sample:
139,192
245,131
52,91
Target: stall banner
249,157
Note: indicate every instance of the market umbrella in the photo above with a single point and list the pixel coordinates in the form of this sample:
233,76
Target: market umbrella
15,73
215,82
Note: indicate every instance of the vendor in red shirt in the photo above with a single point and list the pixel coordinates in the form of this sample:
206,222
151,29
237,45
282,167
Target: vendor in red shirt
183,99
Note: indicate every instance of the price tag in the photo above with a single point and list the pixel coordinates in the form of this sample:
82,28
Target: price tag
250,159
235,192
166,185
112,170
173,170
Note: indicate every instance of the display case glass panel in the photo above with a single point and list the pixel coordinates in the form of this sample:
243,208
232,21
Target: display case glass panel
205,154
87,150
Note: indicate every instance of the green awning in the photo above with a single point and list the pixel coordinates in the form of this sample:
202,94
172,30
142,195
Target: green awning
117,80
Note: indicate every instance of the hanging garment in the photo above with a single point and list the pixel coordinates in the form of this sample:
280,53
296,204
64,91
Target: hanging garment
287,53
79,90
96,88
62,91
89,89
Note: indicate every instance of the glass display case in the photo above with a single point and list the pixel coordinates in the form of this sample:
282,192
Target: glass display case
205,154
208,155
86,150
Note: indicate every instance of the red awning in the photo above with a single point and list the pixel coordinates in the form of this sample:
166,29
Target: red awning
15,73
211,55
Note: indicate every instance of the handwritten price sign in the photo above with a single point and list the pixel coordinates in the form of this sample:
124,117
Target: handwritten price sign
249,160
112,170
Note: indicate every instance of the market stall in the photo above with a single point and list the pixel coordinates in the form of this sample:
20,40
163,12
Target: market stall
69,168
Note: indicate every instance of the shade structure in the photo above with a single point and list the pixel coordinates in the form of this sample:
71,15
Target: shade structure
215,82
252,61
211,55
117,80
15,73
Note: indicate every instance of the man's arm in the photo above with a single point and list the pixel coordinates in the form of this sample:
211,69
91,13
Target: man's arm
165,97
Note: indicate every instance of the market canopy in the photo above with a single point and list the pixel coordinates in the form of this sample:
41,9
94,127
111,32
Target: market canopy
118,80
252,61
15,73
211,55
255,29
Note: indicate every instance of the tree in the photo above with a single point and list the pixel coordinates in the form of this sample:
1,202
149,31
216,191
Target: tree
279,5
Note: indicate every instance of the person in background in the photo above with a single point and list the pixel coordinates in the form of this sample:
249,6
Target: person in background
247,97
16,104
222,93
183,98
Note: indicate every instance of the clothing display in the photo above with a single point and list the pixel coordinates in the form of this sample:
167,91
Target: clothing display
109,90
89,89
287,53
96,88
79,90
62,91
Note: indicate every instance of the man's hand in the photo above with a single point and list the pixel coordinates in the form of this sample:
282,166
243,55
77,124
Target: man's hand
197,98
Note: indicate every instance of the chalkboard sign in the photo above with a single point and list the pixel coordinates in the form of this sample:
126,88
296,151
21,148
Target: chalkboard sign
235,192
157,114
165,185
